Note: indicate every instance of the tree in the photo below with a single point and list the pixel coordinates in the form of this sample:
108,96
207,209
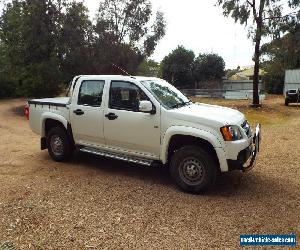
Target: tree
208,67
282,53
149,68
128,22
123,28
7,86
41,75
267,18
158,31
75,41
11,41
28,32
44,43
177,67
230,72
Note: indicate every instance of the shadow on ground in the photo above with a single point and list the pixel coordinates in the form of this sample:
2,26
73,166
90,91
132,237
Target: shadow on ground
19,110
227,184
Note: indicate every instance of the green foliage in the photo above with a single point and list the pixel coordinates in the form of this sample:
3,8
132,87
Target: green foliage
230,72
28,33
208,67
274,79
267,15
45,43
177,67
182,69
285,50
127,21
158,31
281,54
7,88
74,44
149,68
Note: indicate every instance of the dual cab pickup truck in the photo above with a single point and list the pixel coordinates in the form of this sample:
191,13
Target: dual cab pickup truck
146,121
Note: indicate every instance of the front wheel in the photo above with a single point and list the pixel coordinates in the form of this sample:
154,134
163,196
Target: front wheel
59,146
193,169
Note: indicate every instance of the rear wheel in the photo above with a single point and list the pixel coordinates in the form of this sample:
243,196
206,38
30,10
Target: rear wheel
193,169
59,146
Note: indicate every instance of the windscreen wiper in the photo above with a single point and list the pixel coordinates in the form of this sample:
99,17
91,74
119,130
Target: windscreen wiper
181,104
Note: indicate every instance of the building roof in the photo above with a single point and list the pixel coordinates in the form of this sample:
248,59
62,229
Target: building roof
246,74
250,72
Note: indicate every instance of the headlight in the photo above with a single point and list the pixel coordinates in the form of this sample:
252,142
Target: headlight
231,133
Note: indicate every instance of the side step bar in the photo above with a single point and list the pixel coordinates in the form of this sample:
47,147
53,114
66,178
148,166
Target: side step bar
133,159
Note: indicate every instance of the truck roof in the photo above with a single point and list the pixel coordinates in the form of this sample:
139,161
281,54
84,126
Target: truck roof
118,77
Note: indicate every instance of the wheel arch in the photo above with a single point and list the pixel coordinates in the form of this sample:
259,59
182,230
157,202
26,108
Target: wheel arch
50,120
177,137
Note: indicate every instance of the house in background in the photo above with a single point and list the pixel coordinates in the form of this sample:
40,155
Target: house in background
240,85
247,74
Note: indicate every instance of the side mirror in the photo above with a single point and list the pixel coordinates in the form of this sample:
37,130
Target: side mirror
146,107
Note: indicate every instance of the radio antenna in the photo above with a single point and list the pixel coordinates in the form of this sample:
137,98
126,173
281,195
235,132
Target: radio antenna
122,70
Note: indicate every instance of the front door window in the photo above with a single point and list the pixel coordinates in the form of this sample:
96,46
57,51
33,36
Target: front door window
125,96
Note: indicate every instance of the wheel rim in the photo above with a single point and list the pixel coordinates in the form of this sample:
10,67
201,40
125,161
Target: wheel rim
192,171
57,146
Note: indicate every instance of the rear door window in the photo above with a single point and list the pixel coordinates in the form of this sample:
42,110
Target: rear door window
90,93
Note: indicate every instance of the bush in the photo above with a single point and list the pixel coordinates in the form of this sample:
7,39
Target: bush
7,88
274,83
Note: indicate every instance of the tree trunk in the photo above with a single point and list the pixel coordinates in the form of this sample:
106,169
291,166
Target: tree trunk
256,72
259,27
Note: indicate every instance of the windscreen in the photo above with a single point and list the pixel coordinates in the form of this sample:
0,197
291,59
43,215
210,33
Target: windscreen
166,94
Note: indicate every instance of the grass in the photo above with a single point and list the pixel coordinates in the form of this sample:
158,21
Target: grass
272,113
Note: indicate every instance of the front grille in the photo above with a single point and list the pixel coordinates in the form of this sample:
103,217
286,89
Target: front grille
247,129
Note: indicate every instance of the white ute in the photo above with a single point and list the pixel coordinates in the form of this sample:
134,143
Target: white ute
146,121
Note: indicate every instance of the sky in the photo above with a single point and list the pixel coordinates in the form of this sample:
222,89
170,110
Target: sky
199,25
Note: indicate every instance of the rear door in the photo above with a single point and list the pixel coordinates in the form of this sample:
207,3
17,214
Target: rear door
125,127
86,113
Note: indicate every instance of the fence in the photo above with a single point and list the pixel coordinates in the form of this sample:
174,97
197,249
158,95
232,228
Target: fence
240,89
221,93
212,93
240,85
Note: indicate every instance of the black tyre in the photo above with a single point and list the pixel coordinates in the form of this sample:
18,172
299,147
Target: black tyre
59,146
193,169
286,102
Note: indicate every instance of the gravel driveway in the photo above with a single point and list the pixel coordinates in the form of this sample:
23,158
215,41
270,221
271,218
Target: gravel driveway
98,203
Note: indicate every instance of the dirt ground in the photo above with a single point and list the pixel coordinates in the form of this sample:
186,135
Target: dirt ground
98,203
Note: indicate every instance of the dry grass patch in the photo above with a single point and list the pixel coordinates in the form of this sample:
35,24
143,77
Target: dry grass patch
272,113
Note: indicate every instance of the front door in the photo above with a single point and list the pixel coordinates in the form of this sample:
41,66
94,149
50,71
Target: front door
87,112
125,127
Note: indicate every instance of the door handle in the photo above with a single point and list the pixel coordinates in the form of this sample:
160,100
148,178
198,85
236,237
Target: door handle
111,116
78,112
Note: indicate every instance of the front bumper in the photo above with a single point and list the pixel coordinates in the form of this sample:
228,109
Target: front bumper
293,97
247,157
